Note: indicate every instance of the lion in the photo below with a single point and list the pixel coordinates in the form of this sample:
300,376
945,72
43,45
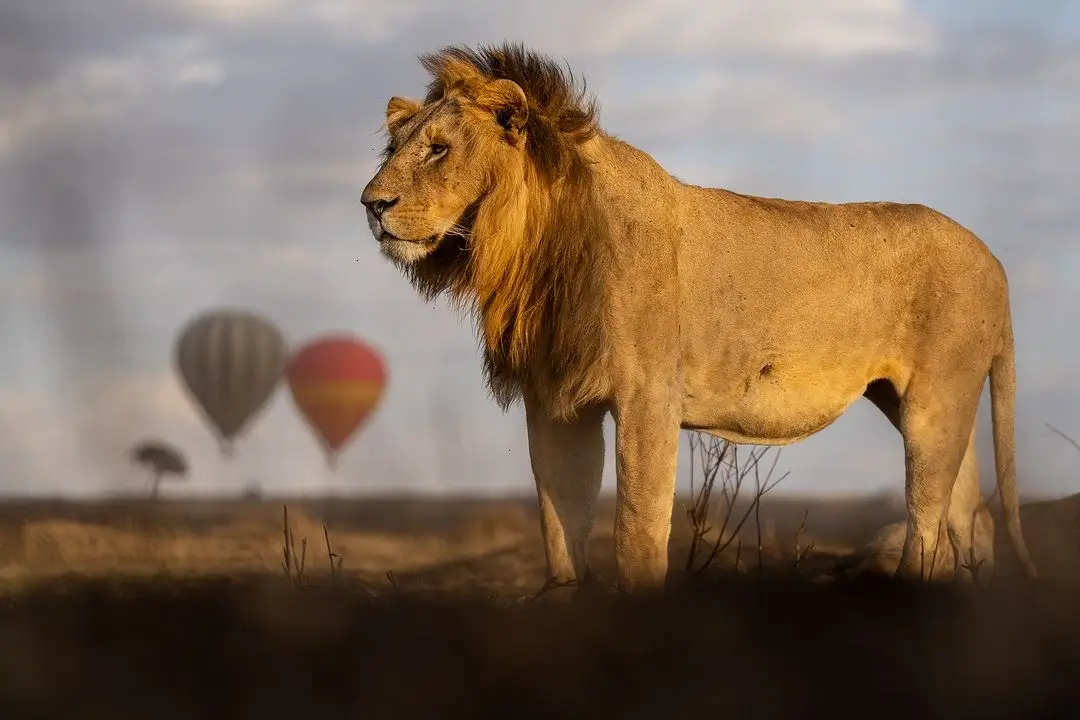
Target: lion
600,283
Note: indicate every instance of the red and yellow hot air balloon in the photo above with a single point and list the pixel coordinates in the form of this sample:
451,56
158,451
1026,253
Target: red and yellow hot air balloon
336,382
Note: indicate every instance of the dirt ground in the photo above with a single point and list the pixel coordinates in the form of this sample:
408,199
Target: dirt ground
131,609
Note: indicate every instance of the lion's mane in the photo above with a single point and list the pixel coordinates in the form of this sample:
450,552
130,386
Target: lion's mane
531,259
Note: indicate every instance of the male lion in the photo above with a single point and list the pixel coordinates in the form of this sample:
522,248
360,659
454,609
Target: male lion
601,283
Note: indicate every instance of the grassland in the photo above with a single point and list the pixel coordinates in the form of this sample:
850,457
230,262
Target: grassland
132,609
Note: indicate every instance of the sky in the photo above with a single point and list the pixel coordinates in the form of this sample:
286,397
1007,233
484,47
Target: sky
159,158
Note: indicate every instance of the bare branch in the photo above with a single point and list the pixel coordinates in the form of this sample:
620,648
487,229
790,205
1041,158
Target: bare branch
717,460
1063,435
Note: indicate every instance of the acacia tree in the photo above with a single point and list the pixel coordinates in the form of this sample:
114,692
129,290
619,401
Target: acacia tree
161,460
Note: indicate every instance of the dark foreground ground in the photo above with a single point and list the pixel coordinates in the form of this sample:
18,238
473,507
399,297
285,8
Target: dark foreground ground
132,611
736,648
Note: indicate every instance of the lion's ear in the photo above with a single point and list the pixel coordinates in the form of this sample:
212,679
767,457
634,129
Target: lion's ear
398,112
507,101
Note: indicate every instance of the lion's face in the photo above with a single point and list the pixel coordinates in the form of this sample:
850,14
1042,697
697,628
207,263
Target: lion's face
441,159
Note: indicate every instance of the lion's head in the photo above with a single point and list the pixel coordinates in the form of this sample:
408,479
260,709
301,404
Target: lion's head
492,121
483,193
441,158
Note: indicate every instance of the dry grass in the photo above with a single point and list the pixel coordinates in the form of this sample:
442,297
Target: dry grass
144,539
493,545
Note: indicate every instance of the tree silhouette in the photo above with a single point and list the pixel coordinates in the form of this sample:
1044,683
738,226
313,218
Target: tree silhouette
253,491
161,460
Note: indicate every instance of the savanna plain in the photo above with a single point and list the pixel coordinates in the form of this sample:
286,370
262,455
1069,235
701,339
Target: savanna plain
420,608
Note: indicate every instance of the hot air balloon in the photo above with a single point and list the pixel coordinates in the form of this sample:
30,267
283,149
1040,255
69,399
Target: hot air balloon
336,382
231,361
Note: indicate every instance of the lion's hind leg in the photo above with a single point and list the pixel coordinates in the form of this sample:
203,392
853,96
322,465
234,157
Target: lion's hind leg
936,420
971,529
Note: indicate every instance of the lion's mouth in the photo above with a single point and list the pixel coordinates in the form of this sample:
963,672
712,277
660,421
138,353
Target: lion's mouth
387,237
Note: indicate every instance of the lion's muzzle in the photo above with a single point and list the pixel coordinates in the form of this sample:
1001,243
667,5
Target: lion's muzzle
377,203
375,224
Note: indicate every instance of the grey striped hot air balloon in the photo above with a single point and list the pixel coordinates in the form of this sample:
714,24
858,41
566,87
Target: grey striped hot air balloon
231,361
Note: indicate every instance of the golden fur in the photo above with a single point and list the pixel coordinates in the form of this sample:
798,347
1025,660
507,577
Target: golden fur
601,283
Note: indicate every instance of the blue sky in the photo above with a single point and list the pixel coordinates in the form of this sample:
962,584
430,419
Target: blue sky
159,157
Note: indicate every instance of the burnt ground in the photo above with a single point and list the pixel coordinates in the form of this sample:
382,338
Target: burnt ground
129,610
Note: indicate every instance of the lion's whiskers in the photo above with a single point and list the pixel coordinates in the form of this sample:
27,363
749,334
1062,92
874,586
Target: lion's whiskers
455,228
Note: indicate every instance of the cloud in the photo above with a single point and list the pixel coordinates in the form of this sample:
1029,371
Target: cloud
349,20
128,402
98,89
748,105
836,28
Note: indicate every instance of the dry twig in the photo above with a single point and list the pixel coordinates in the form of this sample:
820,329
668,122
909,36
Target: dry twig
549,585
334,559
1063,436
291,562
801,553
717,459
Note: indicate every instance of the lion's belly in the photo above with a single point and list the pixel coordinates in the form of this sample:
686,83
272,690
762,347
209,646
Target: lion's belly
758,429
774,406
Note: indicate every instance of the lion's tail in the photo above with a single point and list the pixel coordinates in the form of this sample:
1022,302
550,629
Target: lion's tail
1003,411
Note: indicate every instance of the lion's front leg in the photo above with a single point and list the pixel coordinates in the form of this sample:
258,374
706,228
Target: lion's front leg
647,453
568,466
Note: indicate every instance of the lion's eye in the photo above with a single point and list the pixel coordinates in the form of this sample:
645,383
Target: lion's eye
438,149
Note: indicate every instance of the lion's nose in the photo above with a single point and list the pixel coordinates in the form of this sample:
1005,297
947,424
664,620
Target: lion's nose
378,206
